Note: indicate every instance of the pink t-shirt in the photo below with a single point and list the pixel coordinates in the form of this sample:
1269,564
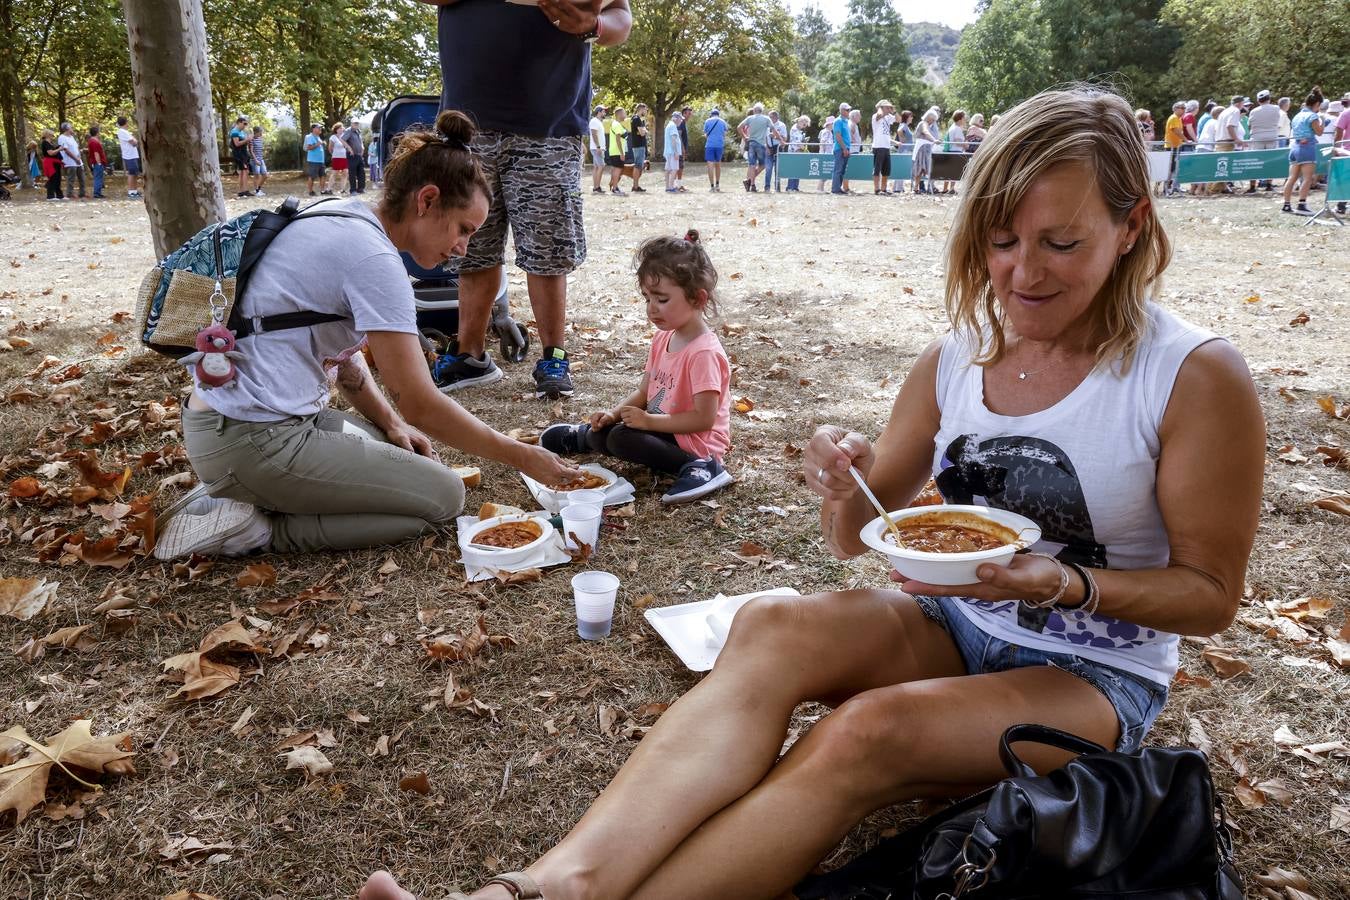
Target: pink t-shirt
674,378
1343,123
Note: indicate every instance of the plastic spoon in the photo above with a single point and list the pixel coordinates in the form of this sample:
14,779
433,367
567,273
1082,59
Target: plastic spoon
857,476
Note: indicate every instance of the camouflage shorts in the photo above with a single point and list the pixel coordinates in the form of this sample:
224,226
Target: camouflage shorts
536,184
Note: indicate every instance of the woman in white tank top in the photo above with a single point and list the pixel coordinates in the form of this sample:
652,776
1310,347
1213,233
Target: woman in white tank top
1134,439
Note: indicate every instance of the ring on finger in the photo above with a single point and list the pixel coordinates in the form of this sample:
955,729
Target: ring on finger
820,474
557,22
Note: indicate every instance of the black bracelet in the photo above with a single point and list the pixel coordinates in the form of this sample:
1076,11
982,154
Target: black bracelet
1092,595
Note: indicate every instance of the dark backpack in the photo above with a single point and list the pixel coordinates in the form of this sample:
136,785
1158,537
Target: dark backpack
210,272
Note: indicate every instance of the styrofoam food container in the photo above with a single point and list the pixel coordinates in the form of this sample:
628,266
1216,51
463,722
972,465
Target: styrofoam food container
504,556
948,568
553,499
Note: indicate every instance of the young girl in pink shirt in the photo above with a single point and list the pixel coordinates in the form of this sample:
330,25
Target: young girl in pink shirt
678,421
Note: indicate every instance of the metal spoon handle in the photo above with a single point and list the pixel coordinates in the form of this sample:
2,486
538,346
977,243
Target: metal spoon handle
876,504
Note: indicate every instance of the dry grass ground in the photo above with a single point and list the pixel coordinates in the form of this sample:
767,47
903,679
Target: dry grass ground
827,302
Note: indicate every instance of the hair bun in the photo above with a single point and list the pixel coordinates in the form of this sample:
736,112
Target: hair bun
455,126
691,235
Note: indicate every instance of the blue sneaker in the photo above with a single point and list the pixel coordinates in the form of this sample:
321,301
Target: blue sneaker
454,372
565,440
697,479
553,375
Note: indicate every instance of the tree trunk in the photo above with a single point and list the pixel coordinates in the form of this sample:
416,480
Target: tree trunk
305,114
12,145
172,84
21,136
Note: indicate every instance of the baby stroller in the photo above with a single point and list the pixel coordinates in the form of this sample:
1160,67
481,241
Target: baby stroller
437,290
7,177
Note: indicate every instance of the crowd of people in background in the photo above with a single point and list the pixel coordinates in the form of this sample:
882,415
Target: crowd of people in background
59,161
618,143
620,146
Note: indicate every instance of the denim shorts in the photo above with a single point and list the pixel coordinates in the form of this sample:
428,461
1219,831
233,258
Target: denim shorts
1137,701
1303,151
755,154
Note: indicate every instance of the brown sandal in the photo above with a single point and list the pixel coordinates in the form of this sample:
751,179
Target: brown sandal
521,886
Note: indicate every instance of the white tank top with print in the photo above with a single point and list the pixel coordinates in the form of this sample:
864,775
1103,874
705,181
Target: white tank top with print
1086,471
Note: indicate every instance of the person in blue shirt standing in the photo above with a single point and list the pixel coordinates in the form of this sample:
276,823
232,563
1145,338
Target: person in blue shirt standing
314,158
523,73
715,130
843,142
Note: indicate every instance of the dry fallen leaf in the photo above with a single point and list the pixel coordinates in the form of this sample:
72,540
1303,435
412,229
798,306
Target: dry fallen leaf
311,759
204,677
23,784
1225,663
465,646
257,575
1337,503
743,405
1282,878
24,598
1329,407
418,783
190,895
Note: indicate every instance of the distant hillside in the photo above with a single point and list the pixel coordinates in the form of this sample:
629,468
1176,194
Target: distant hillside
934,46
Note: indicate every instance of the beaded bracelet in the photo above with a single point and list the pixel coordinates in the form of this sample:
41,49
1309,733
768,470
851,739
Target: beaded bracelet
1093,595
1063,585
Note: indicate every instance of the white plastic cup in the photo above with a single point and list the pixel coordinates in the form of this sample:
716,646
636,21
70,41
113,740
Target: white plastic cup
594,593
583,520
584,497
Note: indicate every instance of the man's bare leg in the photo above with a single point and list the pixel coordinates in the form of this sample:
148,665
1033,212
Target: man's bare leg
477,290
548,299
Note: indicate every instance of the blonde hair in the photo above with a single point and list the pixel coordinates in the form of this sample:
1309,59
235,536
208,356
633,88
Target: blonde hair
1087,126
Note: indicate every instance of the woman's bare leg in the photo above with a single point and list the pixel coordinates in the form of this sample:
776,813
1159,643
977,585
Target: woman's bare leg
719,740
888,745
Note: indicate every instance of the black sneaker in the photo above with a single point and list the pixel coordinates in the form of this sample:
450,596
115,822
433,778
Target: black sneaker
746,182
617,193
1303,209
1286,208
565,440
697,479
639,190
244,194
454,372
553,375
597,190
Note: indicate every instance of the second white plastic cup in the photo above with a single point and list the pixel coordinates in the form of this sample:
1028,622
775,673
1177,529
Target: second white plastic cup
582,520
584,497
594,593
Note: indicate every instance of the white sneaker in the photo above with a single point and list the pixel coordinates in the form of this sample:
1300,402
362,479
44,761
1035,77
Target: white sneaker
211,526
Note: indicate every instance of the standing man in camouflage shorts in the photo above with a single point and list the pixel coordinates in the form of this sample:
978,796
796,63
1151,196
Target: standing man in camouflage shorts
524,75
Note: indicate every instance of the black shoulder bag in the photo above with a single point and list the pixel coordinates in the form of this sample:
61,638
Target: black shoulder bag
1141,825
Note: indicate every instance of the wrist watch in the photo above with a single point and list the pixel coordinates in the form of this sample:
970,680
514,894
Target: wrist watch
593,35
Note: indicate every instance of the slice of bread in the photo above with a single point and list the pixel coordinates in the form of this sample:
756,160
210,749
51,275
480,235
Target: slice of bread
491,510
470,475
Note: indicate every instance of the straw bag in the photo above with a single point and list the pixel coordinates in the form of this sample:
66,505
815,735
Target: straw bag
200,283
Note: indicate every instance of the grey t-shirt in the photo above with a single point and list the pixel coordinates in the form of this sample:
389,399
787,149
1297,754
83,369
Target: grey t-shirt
1264,122
328,265
758,126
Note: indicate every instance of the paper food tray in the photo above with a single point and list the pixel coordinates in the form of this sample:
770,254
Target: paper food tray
684,627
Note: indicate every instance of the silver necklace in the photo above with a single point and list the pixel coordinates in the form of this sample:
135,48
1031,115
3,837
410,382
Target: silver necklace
1023,375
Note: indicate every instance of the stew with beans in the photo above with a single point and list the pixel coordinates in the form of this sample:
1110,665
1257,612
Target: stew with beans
508,535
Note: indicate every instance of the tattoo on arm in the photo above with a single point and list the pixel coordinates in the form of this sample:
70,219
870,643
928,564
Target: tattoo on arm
829,527
351,378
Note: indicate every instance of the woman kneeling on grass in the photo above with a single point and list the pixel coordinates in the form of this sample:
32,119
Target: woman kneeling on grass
1063,393
280,471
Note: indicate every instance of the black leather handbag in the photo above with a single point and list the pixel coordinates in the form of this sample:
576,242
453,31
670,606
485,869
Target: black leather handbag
1140,825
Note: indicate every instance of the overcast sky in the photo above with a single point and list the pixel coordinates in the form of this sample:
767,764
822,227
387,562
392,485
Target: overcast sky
953,13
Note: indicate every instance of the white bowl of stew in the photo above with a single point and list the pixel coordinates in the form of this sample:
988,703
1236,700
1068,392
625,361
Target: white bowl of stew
505,540
946,544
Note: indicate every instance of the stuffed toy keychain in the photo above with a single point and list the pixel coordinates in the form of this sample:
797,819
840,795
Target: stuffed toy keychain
214,361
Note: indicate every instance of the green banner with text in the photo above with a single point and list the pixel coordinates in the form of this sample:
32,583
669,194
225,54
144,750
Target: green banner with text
1239,165
820,166
1338,180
